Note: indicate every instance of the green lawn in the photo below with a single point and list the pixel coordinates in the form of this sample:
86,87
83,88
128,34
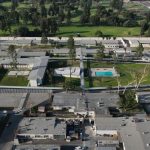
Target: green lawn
107,30
89,31
125,74
14,81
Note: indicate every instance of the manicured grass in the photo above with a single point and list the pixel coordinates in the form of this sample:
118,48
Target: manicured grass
14,81
124,70
89,31
107,30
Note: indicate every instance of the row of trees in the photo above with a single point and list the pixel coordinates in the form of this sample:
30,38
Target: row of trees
145,27
115,15
47,20
46,16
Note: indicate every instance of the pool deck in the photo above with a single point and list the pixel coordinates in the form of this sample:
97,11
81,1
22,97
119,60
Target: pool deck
94,70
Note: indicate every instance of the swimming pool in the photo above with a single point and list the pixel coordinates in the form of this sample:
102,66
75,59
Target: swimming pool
104,74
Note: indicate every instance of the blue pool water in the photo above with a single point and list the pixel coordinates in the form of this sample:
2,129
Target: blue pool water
104,74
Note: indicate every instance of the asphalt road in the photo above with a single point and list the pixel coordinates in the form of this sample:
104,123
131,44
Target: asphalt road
7,137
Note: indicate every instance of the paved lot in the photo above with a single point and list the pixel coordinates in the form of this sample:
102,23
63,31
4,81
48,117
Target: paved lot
10,100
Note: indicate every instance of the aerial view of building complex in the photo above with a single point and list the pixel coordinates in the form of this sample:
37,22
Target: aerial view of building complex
74,74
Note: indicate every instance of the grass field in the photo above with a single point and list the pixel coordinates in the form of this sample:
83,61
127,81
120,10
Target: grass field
83,30
124,70
11,81
14,81
107,30
90,31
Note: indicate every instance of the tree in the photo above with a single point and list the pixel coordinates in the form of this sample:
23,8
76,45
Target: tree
71,84
44,39
127,100
95,20
139,50
71,47
44,25
148,17
100,52
24,14
148,32
61,16
99,33
117,4
22,31
68,16
72,53
13,55
14,4
43,11
85,17
138,77
144,27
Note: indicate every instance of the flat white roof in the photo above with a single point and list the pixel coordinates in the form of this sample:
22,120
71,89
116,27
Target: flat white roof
75,71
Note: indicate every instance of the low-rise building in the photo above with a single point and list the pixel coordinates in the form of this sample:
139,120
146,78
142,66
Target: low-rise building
37,66
41,128
74,72
122,129
36,147
37,73
25,54
90,103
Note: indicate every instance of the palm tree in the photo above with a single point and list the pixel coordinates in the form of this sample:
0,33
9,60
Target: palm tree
71,46
100,52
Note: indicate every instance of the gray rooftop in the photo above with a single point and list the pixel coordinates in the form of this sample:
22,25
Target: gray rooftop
60,51
105,148
21,61
129,134
39,68
37,147
93,42
31,54
77,100
42,125
144,130
104,123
